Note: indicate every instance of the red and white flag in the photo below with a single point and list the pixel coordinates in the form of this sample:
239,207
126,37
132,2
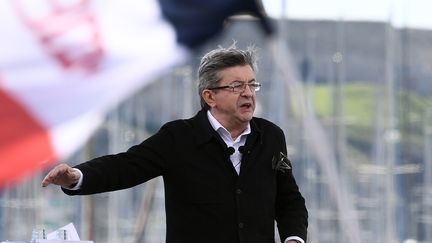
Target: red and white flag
64,64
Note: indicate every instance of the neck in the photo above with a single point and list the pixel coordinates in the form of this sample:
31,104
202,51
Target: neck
235,133
234,127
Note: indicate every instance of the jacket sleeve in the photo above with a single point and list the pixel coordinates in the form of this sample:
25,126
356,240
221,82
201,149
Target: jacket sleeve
291,212
138,164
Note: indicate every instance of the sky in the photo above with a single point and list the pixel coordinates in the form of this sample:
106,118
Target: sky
402,13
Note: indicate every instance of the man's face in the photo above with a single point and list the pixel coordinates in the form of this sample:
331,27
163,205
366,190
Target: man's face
234,107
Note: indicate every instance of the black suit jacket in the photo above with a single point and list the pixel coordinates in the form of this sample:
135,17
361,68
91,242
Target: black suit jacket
206,201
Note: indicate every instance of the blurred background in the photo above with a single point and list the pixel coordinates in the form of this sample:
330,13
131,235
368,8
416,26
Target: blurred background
364,72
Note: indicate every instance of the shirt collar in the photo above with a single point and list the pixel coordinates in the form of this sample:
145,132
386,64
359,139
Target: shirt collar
219,128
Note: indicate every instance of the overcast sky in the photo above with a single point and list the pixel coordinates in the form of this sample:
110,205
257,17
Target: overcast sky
412,13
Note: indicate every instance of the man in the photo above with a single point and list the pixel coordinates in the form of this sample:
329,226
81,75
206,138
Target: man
226,175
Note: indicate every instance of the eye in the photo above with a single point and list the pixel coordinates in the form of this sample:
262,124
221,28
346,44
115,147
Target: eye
237,84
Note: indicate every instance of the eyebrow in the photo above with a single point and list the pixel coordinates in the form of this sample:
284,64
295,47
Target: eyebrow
249,81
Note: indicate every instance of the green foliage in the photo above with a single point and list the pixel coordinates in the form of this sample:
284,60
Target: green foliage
366,105
361,100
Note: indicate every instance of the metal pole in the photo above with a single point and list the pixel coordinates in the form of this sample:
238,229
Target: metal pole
87,202
391,137
427,191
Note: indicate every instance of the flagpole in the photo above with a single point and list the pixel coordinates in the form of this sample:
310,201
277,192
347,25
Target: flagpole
390,136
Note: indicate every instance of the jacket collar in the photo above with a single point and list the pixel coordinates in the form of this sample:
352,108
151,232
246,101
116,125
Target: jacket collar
205,132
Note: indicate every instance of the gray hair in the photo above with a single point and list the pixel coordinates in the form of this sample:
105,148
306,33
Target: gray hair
218,60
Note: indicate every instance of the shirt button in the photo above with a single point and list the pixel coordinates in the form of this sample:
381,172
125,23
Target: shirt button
238,191
241,225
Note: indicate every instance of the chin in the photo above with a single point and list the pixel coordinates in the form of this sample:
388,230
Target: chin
248,117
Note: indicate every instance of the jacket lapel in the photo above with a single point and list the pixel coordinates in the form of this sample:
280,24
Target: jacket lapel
206,134
252,146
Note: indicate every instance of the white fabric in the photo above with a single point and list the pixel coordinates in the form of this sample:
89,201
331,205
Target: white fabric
295,238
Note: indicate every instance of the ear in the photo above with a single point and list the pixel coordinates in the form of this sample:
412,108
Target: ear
209,98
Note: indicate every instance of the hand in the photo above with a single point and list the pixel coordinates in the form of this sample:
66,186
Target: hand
62,175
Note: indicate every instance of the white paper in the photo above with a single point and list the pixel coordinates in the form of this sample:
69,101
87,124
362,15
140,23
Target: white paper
71,233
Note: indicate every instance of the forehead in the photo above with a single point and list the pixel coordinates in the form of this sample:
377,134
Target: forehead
241,73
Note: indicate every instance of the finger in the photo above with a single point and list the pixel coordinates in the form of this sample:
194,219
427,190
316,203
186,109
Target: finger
46,181
53,176
73,175
49,178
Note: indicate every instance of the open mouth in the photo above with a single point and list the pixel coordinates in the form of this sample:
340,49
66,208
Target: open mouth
246,105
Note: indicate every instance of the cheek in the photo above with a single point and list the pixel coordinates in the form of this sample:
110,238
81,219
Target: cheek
231,100
227,102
